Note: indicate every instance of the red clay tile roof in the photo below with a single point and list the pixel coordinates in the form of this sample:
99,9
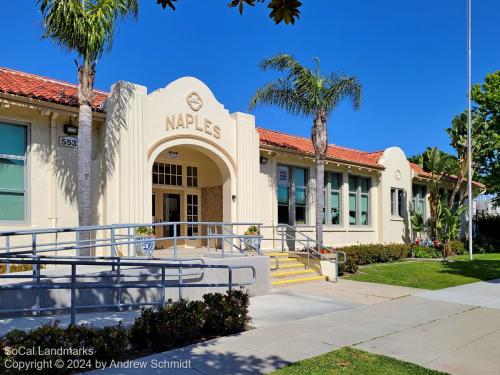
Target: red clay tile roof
304,145
375,156
46,89
419,171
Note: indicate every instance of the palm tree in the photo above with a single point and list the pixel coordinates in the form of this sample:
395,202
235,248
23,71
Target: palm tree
85,27
305,92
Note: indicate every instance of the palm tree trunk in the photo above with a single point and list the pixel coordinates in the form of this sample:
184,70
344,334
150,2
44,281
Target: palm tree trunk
319,139
86,73
320,199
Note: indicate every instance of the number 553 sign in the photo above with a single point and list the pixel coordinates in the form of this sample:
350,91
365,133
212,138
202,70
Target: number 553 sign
68,142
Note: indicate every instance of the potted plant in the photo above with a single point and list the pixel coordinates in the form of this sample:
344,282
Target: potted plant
325,250
145,241
252,243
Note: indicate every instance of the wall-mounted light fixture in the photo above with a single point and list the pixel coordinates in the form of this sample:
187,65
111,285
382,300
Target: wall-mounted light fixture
264,160
70,129
173,155
233,197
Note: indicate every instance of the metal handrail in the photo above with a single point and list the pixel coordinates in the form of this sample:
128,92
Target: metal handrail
306,241
112,236
241,248
117,263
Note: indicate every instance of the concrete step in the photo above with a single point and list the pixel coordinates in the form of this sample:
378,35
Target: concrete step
282,274
287,260
297,280
291,266
277,254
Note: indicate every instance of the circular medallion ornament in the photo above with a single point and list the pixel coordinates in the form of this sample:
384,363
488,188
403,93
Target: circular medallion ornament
397,175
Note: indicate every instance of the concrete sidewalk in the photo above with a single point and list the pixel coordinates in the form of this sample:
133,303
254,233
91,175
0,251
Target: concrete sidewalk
451,337
282,305
483,293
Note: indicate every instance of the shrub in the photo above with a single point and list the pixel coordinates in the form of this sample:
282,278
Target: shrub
176,324
457,247
425,252
372,253
487,238
102,344
226,313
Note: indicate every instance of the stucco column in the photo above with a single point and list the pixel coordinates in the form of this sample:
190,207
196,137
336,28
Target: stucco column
53,178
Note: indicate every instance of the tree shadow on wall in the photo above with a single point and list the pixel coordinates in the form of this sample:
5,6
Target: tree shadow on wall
106,137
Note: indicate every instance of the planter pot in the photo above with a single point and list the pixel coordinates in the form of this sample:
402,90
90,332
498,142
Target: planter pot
252,243
145,246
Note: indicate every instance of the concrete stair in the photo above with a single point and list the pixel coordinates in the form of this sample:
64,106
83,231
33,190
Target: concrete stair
291,270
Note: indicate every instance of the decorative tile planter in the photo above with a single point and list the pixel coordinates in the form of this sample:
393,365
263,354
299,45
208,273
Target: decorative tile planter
145,246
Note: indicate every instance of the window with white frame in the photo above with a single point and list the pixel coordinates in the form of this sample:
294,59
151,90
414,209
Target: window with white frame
167,174
192,176
333,198
192,214
359,200
13,140
418,199
398,202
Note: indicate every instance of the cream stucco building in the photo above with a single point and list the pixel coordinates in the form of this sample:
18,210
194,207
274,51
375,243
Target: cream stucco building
177,154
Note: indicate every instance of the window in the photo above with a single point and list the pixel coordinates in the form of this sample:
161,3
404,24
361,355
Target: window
12,172
333,187
167,174
418,199
300,185
398,200
283,194
359,200
292,195
192,214
192,176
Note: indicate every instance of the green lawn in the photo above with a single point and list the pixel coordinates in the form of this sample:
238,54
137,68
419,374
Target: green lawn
353,361
433,274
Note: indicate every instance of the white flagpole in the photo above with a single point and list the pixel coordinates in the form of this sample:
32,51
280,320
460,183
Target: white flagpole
469,114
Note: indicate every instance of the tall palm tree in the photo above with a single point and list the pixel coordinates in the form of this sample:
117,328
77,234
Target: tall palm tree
85,27
307,92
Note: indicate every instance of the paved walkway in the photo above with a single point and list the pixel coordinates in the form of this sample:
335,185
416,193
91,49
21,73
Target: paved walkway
303,321
447,336
483,293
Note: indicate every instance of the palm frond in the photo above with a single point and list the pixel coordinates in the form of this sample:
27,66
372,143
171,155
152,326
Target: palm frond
284,63
338,87
85,27
281,93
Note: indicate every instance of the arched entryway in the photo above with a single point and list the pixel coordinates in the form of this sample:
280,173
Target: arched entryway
191,181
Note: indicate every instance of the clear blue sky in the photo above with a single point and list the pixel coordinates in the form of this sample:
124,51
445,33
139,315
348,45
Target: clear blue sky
409,56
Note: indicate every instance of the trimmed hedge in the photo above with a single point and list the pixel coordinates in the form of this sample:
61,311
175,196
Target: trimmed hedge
177,324
358,255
